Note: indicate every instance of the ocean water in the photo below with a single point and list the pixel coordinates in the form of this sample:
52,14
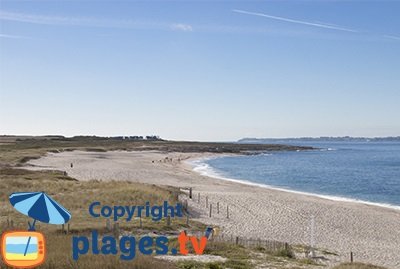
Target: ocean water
366,172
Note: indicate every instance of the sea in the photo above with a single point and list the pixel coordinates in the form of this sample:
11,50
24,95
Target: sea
363,172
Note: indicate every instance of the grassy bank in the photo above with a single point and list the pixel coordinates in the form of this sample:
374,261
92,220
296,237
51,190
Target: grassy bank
357,265
16,150
76,196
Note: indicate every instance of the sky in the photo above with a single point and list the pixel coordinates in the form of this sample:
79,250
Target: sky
200,70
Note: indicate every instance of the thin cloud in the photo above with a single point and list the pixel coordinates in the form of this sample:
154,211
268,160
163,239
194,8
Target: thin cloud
12,36
91,22
314,24
392,37
182,27
49,20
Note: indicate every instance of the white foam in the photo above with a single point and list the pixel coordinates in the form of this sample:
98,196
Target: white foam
327,149
200,166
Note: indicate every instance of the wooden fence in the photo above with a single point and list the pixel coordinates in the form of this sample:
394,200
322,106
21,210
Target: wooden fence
269,245
218,208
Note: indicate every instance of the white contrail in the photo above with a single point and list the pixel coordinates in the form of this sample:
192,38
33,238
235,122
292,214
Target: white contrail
320,25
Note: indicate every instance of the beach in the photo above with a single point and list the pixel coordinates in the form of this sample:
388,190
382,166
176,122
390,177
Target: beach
372,233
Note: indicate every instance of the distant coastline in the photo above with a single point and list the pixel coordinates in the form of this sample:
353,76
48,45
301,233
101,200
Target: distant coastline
322,139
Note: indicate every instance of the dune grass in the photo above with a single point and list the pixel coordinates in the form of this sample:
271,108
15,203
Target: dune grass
357,265
76,196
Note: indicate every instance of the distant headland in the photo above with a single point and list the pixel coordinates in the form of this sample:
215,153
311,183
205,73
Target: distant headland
322,139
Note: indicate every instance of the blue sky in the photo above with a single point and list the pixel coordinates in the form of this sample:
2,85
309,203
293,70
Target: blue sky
200,70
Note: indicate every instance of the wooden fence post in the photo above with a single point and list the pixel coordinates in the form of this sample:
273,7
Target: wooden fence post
217,207
190,193
206,201
62,228
210,210
68,228
108,225
227,211
237,240
116,229
198,197
351,256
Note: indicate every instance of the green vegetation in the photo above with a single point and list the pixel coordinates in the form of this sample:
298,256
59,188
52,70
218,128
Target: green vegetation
232,264
357,265
285,253
77,196
16,150
232,251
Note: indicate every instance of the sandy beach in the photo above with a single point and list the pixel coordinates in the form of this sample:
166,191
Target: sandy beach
371,232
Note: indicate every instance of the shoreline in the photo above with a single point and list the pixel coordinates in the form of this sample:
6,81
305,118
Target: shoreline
371,232
213,174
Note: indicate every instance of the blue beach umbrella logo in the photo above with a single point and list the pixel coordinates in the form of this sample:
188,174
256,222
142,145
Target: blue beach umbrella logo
39,206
